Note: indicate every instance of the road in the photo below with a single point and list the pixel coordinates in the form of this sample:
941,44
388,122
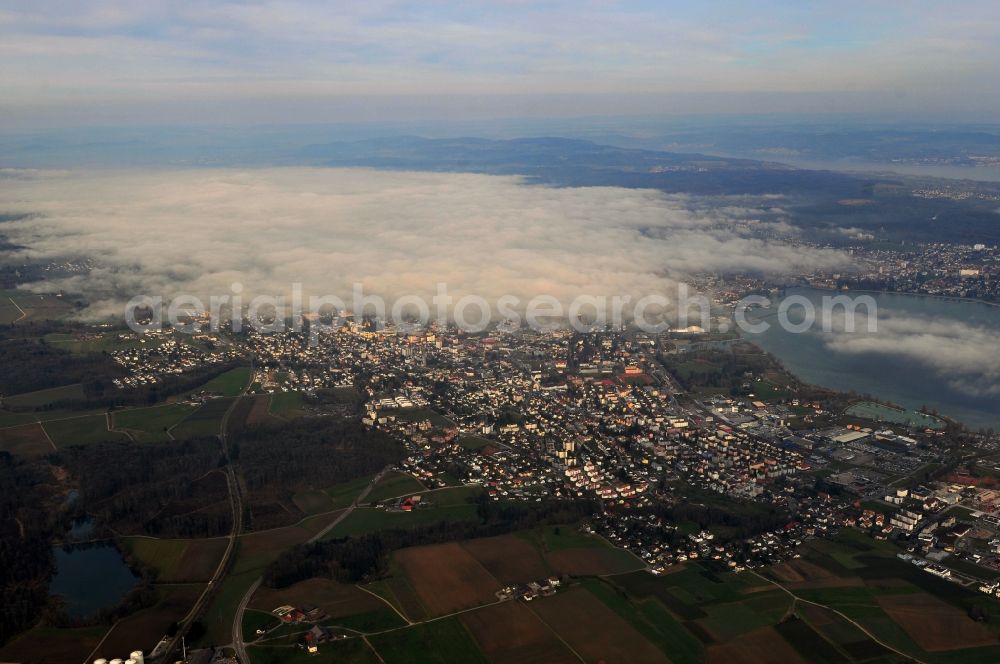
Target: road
236,504
238,644
874,638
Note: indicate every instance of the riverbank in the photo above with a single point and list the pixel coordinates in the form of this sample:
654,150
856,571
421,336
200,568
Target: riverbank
943,298
913,381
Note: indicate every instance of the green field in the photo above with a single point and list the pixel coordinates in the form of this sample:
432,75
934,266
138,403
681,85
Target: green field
85,430
254,552
218,618
254,620
104,343
853,554
344,494
346,651
443,641
45,397
765,390
418,415
393,485
652,620
8,312
870,410
313,501
151,425
229,384
366,520
474,442
35,307
178,560
369,621
286,404
8,419
206,421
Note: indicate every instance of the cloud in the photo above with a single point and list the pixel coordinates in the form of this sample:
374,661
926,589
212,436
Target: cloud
397,233
103,54
965,356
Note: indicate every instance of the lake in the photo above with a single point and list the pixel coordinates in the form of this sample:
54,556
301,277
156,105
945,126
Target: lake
928,351
91,577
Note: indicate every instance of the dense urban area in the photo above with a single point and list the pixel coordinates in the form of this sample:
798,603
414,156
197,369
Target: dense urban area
684,450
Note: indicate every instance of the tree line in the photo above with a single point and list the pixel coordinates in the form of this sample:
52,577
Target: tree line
365,557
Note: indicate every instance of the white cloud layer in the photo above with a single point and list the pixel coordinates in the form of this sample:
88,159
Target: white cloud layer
965,355
397,233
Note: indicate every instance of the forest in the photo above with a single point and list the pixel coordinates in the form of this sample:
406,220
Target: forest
26,529
33,364
277,459
172,489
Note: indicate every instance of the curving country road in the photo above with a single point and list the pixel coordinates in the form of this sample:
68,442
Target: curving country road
238,644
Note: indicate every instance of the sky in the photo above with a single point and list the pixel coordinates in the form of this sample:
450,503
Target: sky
78,62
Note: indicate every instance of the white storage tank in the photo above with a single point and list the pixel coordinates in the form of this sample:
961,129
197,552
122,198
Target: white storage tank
101,661
116,661
129,661
137,656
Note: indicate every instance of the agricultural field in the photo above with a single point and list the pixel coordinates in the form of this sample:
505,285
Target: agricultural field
260,410
569,551
313,501
761,646
365,519
398,592
9,313
447,578
178,560
912,611
83,344
695,612
35,307
286,404
254,551
206,421
509,558
523,637
344,494
935,625
58,644
593,630
446,641
394,485
28,440
228,384
145,628
45,397
336,599
347,651
82,430
151,425
12,419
